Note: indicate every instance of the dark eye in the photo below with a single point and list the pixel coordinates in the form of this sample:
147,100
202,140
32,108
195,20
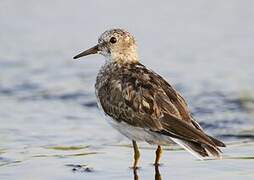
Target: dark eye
113,40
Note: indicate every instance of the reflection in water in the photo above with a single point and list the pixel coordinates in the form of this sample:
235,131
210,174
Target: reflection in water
157,175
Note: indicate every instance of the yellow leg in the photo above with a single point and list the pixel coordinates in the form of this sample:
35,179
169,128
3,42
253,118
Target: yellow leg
158,156
136,154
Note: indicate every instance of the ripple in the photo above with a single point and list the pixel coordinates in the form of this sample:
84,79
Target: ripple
67,148
239,157
64,155
7,161
91,104
51,96
237,136
6,91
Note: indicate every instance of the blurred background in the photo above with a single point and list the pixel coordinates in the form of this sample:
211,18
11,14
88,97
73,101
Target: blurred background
49,121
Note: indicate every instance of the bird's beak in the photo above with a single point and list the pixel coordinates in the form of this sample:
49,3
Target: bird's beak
92,50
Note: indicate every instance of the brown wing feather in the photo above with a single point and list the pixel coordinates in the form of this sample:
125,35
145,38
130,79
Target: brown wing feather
140,97
142,93
184,131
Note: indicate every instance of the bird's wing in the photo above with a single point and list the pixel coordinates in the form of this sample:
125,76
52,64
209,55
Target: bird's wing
140,97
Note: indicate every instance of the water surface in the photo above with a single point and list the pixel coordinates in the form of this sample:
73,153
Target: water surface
50,125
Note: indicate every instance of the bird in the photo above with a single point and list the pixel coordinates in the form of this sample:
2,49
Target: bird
141,104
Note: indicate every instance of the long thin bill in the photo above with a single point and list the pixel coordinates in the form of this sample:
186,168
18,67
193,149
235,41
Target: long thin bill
92,50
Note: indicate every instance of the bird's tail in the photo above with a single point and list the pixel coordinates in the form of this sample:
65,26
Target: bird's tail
191,137
201,151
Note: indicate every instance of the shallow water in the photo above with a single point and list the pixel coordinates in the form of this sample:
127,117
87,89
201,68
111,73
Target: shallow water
50,125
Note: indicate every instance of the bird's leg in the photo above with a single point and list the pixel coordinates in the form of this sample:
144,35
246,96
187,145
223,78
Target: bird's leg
158,156
136,154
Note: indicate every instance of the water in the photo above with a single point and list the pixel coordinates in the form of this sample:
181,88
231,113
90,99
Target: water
50,125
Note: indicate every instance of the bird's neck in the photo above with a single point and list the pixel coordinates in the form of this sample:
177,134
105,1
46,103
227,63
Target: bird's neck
124,56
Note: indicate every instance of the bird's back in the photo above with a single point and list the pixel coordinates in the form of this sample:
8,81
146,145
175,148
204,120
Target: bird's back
140,89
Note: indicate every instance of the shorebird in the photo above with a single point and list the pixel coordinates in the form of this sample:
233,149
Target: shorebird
141,104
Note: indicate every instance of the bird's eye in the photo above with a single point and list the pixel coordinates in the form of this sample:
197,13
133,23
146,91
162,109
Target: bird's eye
113,40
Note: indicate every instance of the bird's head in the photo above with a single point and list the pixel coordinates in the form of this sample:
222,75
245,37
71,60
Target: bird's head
116,45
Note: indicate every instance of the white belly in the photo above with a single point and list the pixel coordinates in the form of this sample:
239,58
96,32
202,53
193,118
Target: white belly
139,134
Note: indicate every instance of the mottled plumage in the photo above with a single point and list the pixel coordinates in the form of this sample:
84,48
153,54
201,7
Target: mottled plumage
132,94
140,103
